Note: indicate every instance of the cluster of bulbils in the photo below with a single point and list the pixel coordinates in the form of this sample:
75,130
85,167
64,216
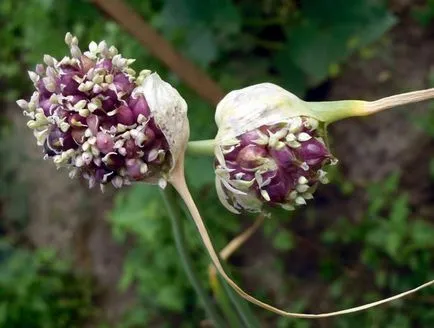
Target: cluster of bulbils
270,149
92,113
279,164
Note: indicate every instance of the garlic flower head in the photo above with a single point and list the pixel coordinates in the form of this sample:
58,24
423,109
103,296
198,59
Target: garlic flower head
93,114
270,149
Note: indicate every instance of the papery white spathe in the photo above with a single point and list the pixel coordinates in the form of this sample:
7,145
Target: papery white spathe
169,110
247,109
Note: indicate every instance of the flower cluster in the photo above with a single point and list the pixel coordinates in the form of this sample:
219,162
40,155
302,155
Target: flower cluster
278,164
93,114
269,149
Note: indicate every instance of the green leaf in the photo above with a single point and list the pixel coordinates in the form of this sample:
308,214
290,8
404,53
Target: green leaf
326,36
201,46
400,212
393,242
422,233
169,296
210,13
295,79
137,210
283,240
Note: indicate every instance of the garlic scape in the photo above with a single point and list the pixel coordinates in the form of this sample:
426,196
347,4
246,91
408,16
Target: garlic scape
271,147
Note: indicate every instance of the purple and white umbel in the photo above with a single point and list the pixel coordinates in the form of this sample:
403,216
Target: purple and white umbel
268,150
92,113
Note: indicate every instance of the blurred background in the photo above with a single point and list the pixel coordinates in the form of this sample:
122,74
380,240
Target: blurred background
74,257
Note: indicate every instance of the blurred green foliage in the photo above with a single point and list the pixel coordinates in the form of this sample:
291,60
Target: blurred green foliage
390,249
424,13
38,290
13,188
297,44
152,264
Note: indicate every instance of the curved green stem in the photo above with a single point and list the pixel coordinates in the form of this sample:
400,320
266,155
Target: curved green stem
170,200
201,148
225,304
241,306
331,111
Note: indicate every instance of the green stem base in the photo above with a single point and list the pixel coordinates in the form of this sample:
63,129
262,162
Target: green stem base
170,200
201,148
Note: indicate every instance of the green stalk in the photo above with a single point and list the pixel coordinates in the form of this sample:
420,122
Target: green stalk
227,293
241,306
331,111
226,305
201,148
170,200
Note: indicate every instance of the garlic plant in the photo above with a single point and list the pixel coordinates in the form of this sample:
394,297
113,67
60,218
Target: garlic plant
94,115
271,147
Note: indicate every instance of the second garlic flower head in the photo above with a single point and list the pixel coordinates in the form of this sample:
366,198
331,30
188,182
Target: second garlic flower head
93,114
270,149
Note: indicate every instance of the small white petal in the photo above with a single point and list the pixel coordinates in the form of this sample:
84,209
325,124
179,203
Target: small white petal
88,133
322,177
162,183
304,166
264,194
287,207
80,104
84,112
93,47
79,161
74,41
291,137
293,194
122,151
68,38
64,126
300,200
295,124
117,182
143,168
87,157
49,61
75,51
302,188
85,146
23,103
307,195
33,76
113,51
303,136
